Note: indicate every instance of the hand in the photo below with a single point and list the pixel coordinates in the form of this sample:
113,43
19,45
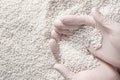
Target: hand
66,27
110,30
108,52
104,71
59,32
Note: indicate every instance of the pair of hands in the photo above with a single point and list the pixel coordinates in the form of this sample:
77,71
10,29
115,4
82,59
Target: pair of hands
110,30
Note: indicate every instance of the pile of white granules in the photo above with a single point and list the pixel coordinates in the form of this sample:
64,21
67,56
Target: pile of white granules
25,27
73,52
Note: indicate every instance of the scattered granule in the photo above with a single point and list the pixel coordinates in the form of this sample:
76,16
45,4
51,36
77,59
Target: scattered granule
73,52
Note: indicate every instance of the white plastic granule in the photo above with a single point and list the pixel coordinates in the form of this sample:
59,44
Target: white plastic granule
73,53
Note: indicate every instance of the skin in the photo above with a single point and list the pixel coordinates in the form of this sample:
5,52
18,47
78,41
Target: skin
108,53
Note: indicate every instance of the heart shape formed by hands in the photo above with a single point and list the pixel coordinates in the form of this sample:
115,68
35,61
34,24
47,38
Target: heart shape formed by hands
73,52
109,52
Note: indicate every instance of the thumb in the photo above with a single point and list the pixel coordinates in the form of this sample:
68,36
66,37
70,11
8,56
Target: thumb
102,23
64,71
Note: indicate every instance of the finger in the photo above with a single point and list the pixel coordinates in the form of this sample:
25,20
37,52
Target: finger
96,53
55,35
64,31
74,20
63,36
55,49
91,49
103,56
59,24
102,23
64,71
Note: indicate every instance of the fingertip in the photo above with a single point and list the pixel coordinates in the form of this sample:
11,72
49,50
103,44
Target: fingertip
56,66
94,9
96,14
61,68
65,19
55,35
51,42
69,20
58,24
64,71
